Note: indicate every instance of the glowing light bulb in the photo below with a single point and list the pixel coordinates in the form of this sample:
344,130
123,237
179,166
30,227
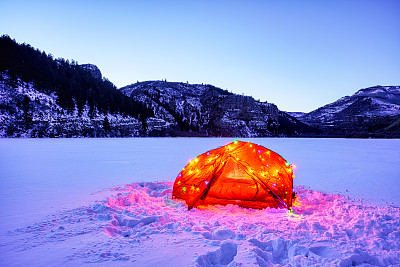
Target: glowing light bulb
236,141
274,184
287,164
251,145
196,159
184,189
208,153
206,182
293,166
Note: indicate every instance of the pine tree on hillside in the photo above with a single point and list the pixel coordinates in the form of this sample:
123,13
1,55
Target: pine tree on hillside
68,80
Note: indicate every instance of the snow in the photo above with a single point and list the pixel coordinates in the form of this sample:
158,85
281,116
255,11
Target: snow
44,109
107,202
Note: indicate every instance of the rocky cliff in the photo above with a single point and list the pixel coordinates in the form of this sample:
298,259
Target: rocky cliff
207,110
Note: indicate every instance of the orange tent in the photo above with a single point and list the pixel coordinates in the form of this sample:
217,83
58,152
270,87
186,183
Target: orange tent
240,173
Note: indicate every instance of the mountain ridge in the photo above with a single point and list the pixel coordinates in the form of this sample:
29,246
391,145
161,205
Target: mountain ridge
46,97
210,110
369,110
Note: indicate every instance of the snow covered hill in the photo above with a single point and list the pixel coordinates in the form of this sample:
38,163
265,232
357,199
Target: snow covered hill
199,109
370,110
27,112
180,109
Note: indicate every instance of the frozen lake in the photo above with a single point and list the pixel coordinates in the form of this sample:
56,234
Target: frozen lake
41,176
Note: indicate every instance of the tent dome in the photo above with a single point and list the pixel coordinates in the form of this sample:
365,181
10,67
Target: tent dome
241,173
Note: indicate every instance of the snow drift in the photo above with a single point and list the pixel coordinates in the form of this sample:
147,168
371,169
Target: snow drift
141,225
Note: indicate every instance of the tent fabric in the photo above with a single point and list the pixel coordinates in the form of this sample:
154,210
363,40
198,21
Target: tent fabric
241,173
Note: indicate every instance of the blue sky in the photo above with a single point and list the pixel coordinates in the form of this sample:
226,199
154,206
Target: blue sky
299,55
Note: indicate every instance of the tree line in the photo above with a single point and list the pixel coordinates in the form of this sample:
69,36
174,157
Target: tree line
73,85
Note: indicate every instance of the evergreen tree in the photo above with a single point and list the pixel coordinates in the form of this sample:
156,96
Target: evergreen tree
27,115
106,124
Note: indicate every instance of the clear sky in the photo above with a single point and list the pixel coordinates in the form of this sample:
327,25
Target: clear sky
299,55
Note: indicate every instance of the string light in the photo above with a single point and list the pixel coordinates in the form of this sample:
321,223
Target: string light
272,170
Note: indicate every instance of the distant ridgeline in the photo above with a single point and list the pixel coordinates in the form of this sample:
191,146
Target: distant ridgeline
370,112
45,97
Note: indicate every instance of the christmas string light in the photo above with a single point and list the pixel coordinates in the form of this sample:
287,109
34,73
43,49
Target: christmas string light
246,168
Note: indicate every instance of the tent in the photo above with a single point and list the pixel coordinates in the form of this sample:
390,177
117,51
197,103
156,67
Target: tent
240,173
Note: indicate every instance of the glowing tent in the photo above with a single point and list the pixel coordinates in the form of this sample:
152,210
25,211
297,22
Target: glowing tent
240,173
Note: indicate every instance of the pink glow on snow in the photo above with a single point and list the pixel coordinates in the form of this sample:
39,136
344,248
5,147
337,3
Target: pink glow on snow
321,229
139,225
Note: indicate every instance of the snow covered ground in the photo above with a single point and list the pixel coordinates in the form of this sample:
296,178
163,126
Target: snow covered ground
104,202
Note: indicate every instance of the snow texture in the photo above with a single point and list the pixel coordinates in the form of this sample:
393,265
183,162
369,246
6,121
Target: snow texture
374,101
55,213
142,226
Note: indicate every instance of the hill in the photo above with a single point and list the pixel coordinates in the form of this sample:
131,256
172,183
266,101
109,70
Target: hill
211,111
369,112
47,97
